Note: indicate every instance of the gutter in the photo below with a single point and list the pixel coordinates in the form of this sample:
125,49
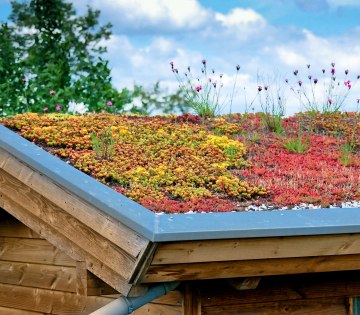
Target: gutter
124,305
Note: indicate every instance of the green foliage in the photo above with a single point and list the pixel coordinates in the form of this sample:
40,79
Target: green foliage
11,75
55,50
155,99
346,154
103,144
297,145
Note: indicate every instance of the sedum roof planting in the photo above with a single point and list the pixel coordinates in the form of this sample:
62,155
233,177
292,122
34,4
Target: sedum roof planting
178,164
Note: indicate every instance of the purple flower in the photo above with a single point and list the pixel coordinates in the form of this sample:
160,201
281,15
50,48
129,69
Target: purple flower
172,64
213,71
58,107
221,75
266,87
287,80
198,88
45,109
237,68
323,70
333,64
203,62
358,100
358,77
259,88
332,71
188,68
296,72
330,100
300,82
308,66
214,84
309,77
346,72
210,80
316,80
109,103
175,70
52,92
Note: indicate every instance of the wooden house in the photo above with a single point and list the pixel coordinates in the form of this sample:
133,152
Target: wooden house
71,245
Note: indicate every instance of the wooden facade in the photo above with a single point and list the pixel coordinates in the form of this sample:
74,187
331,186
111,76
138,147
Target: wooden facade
62,254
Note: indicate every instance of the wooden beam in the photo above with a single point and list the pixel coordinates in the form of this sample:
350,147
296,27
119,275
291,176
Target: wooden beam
251,268
95,244
49,277
105,225
74,251
256,248
192,299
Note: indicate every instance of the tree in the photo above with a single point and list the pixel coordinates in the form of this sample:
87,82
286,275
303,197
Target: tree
12,81
58,51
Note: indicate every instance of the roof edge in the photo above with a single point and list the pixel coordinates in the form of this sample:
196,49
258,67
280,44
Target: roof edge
180,227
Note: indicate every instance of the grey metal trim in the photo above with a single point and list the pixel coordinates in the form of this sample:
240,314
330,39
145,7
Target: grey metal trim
197,226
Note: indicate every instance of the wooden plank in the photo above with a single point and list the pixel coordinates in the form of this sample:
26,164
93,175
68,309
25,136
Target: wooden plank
81,278
256,248
75,252
37,251
158,309
93,243
329,306
47,301
192,300
118,233
96,286
36,275
14,311
250,268
282,288
11,227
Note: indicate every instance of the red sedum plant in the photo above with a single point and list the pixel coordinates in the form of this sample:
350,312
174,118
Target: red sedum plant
177,164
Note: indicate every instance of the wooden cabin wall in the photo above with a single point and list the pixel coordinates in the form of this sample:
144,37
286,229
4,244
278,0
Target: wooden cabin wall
37,278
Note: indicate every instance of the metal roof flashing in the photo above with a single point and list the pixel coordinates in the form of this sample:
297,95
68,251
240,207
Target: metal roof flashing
177,227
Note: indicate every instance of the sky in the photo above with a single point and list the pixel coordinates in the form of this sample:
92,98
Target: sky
268,39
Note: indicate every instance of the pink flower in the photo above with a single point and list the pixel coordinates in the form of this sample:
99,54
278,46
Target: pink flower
203,62
58,107
330,101
172,64
45,109
52,92
259,88
198,88
109,103
332,71
316,80
323,70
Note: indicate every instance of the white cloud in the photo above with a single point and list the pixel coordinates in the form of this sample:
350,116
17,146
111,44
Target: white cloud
239,18
150,15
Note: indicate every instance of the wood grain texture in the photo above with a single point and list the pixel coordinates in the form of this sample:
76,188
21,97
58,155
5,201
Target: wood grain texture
87,239
249,268
74,251
191,300
333,306
14,311
46,301
39,276
105,225
256,248
11,227
38,251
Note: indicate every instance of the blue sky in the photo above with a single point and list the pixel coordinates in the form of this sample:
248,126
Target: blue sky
266,38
